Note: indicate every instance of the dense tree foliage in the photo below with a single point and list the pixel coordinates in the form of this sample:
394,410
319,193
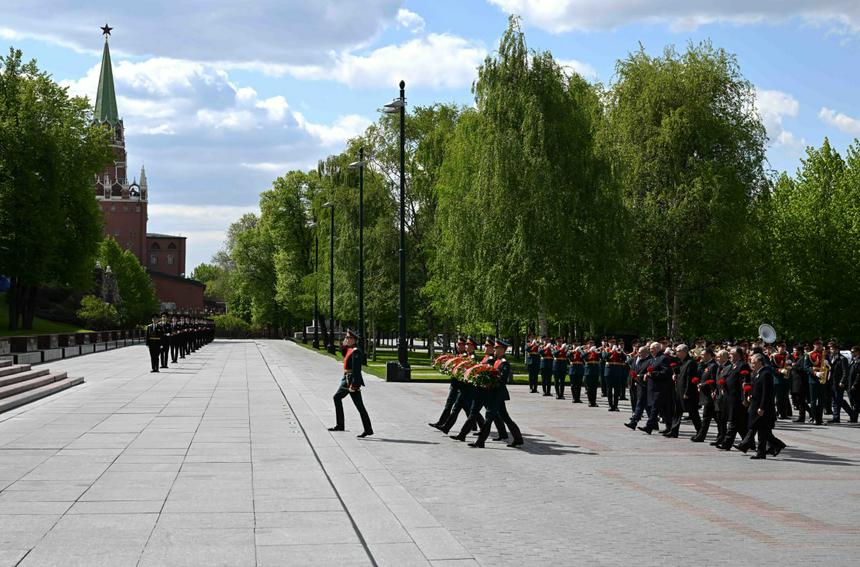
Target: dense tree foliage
139,301
639,207
50,151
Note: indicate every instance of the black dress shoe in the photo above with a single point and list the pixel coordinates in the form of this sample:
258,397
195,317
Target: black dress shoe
716,443
515,443
457,437
500,438
577,401
476,445
436,425
630,425
697,439
834,420
559,397
799,420
645,429
742,448
724,447
365,434
335,428
547,394
671,435
758,456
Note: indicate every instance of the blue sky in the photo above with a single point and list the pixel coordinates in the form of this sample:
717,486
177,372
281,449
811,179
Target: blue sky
219,97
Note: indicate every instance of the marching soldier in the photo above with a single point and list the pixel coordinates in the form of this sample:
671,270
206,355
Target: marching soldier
816,364
615,374
495,400
176,337
350,385
576,372
165,339
592,375
559,367
453,388
782,382
477,401
154,335
533,363
708,370
465,399
546,365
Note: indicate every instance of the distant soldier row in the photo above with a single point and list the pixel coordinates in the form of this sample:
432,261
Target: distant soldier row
176,338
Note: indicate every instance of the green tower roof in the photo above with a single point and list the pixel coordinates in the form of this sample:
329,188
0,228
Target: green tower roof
106,110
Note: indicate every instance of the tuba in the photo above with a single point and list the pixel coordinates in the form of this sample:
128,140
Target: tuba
767,333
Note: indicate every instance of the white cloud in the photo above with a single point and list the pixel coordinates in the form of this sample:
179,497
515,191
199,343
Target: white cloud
773,106
410,20
840,121
267,31
584,69
437,61
344,128
558,16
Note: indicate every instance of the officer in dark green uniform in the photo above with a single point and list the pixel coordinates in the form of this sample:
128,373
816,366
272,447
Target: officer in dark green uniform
350,384
533,363
176,337
153,342
559,367
453,389
165,339
494,399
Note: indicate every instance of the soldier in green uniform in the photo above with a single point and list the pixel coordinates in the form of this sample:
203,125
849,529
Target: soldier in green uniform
494,399
533,362
153,342
546,365
350,385
176,337
576,371
165,339
559,367
592,375
453,388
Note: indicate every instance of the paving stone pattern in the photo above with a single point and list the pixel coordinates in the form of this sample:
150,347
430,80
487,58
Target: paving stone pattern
224,459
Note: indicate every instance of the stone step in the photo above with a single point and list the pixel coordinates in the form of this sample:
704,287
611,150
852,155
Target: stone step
5,362
13,369
31,384
21,376
12,402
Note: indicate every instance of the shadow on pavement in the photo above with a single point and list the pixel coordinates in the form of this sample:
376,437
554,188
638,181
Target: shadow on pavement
407,441
794,455
541,445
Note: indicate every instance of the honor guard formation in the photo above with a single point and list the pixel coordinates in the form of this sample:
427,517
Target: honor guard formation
743,388
176,338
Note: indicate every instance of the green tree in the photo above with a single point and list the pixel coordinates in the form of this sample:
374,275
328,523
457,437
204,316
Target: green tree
139,301
97,314
216,279
50,151
689,152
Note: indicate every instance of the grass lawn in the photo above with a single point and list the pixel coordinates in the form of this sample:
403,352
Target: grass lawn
40,326
420,363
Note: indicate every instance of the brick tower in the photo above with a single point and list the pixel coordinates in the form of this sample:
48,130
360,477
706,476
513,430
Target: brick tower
123,203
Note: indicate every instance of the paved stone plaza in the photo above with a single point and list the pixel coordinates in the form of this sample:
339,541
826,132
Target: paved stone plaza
224,459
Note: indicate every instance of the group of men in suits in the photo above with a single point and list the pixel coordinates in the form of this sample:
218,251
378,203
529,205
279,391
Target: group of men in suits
176,338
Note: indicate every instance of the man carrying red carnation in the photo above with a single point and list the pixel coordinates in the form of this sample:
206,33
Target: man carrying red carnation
708,370
686,389
737,377
762,410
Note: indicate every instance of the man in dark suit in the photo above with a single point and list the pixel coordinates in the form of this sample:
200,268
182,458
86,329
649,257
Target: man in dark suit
838,380
686,390
638,369
762,411
852,382
707,387
738,376
350,385
659,377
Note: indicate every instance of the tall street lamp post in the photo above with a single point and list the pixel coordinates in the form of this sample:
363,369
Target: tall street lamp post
316,341
359,165
398,105
330,346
